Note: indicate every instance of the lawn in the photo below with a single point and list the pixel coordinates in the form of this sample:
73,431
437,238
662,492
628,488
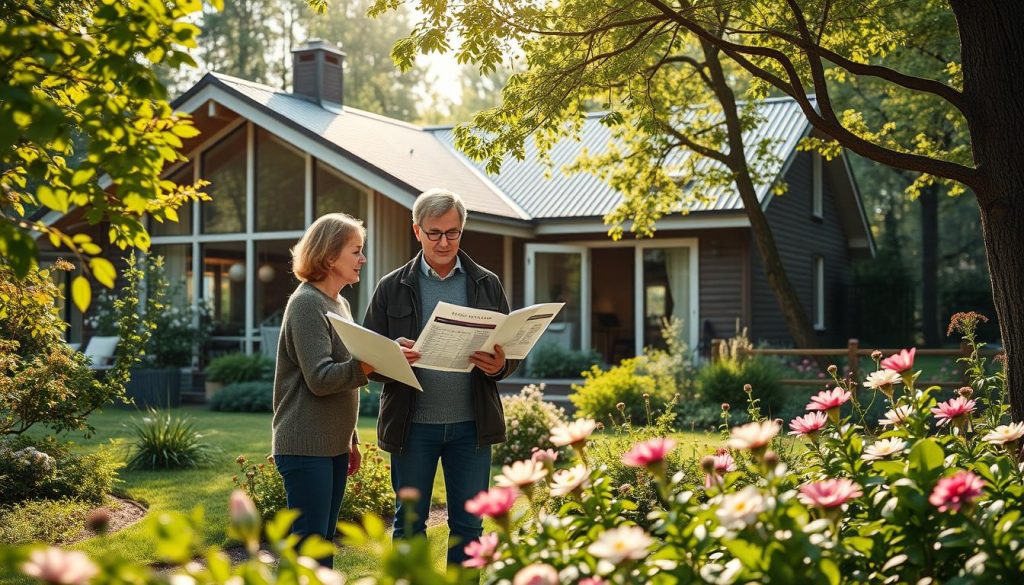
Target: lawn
235,434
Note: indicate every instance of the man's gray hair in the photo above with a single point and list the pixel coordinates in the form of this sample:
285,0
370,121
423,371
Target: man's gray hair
435,203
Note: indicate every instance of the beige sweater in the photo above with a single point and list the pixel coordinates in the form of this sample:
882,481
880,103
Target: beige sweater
316,382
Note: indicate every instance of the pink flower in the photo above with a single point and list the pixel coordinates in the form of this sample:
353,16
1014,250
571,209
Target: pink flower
592,581
952,409
536,574
244,519
901,361
829,493
955,491
649,453
829,399
808,424
721,463
59,567
754,435
482,551
545,456
495,502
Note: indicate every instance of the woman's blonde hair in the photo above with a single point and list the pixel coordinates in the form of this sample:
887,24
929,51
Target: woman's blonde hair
321,243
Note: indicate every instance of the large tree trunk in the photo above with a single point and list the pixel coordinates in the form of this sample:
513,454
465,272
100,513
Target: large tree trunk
993,58
929,201
797,321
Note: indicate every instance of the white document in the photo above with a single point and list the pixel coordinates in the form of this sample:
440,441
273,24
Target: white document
453,333
385,355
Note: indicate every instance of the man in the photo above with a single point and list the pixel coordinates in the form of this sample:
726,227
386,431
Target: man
458,416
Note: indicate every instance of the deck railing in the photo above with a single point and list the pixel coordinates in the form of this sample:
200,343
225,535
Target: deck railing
852,354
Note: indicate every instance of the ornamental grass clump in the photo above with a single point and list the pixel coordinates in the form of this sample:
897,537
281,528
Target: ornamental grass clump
167,441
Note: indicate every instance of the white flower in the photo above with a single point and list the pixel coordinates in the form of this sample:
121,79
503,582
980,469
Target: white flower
882,378
619,544
59,567
573,433
1004,434
328,577
536,574
753,435
740,509
521,474
181,580
566,481
719,575
896,417
884,448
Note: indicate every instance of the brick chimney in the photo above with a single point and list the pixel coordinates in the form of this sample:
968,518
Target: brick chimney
317,72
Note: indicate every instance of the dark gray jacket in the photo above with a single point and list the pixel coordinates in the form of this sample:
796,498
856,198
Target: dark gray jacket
394,312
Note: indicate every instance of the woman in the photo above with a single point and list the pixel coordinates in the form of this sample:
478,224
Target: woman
316,384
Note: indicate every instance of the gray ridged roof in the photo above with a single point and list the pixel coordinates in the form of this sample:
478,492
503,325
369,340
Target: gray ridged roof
426,157
399,149
583,195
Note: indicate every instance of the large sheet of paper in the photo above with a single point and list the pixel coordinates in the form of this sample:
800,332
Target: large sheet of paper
453,333
385,355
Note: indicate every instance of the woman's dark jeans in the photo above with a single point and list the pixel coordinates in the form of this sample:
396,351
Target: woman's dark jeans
315,487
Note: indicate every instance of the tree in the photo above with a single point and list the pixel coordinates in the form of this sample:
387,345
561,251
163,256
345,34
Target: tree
668,97
79,101
797,47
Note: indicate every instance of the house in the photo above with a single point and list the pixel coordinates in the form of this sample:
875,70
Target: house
277,160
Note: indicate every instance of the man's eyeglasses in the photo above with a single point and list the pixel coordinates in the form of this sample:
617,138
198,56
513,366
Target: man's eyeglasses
449,235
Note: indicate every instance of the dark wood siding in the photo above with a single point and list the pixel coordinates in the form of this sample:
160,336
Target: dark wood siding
800,239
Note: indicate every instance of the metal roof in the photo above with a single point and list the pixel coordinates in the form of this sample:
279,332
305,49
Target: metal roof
401,150
583,195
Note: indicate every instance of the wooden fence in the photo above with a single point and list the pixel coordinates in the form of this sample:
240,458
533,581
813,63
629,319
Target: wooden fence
852,354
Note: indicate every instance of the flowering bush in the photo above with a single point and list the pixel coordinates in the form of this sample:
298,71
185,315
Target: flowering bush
528,421
45,469
915,500
177,329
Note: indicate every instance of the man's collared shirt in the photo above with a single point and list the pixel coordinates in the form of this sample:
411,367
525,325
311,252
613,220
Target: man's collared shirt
429,270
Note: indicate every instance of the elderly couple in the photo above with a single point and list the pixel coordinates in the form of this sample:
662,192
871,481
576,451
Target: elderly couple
456,418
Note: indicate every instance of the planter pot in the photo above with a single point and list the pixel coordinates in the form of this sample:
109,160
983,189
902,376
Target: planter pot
157,388
212,388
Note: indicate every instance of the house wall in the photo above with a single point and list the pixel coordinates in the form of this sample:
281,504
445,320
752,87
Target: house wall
800,238
724,273
392,236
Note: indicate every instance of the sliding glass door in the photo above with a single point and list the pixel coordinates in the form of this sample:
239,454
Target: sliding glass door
560,273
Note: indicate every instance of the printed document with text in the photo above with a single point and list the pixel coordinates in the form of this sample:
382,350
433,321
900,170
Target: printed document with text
453,333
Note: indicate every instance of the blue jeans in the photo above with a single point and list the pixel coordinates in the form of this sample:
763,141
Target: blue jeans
467,470
314,486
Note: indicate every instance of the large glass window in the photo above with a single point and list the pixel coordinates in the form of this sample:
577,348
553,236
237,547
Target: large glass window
178,268
223,285
666,291
559,279
280,185
333,193
183,176
224,167
274,281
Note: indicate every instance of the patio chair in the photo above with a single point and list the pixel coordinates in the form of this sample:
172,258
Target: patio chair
101,349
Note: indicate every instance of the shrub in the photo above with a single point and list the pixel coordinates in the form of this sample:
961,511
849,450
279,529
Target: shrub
240,367
244,397
528,423
724,380
367,492
551,360
621,392
51,521
42,380
45,469
167,441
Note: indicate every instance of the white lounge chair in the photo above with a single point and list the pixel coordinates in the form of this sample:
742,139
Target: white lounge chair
101,349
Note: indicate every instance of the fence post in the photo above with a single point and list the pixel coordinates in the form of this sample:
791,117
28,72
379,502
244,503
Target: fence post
716,350
853,360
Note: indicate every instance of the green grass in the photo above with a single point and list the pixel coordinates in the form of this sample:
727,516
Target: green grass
234,434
